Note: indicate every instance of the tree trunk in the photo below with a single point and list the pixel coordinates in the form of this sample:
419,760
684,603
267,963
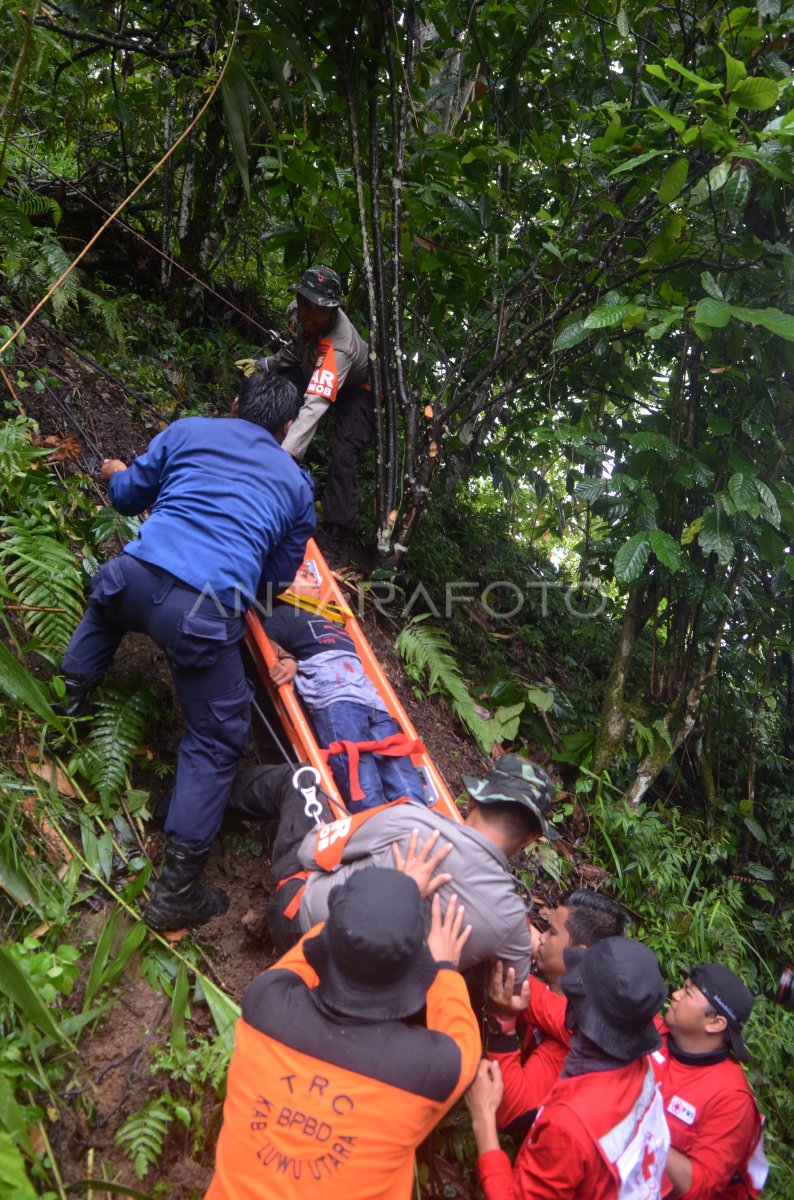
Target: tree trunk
614,718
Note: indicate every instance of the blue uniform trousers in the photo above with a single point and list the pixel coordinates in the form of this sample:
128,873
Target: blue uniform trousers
201,646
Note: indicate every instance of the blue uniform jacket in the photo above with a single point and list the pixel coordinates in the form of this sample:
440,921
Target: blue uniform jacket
229,507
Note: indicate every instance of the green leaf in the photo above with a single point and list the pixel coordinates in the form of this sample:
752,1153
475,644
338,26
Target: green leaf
179,1003
737,189
719,425
659,443
637,161
767,498
542,698
759,871
12,881
571,335
743,491
673,180
19,685
99,961
607,315
238,122
98,1186
15,984
774,320
755,829
734,70
666,549
590,489
713,312
710,285
13,1175
714,536
623,22
632,557
703,85
224,1013
757,93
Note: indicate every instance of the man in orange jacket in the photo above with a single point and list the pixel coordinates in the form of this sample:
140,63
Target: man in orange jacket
330,1090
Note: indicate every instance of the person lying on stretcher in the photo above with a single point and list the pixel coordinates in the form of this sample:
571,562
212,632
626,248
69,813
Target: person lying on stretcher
344,705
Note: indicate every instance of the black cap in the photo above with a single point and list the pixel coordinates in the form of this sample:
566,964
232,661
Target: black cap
615,989
371,956
729,997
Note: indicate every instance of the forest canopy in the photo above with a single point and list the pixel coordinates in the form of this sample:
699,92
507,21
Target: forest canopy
566,231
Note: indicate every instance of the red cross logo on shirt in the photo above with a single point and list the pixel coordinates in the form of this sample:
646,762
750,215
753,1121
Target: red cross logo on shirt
648,1159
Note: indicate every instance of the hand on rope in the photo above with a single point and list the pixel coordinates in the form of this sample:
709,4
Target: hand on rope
250,366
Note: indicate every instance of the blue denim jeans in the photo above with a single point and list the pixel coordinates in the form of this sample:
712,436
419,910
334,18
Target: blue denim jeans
382,779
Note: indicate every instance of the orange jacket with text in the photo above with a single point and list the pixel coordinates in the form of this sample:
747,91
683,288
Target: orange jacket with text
324,1106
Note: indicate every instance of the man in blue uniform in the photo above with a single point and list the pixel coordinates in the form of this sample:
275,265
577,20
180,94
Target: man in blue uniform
230,511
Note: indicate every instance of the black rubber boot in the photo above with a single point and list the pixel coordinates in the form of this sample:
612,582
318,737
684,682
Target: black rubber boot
78,694
179,899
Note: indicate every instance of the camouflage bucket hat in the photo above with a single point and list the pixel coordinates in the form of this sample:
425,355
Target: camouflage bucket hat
516,780
322,286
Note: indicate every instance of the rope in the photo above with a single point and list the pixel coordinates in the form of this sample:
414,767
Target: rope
10,341
271,334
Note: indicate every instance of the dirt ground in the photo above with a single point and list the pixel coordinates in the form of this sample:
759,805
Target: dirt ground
114,1076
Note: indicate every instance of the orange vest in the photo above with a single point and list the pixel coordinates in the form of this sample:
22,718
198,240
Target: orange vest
319,1106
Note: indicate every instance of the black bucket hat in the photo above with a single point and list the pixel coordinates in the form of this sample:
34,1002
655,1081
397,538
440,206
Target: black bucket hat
615,989
371,956
517,780
729,997
322,286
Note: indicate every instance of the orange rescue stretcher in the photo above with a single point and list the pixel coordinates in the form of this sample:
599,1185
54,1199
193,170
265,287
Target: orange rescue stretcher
294,721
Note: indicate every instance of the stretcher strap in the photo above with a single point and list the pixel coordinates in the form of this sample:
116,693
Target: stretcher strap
291,909
396,745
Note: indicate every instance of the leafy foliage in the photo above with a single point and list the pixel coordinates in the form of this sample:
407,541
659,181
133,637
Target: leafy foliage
120,716
426,648
143,1134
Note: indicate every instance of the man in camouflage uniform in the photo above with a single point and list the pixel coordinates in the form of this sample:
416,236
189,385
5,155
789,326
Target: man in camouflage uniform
329,362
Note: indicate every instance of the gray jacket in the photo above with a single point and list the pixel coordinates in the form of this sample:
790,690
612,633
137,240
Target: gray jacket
480,877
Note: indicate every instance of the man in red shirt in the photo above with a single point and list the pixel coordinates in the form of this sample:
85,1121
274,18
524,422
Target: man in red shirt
531,1068
601,1134
715,1129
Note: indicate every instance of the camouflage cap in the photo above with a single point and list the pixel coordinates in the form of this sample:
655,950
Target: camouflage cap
516,780
322,286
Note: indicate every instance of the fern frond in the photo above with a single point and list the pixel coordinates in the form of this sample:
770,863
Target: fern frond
121,715
45,579
107,311
425,647
109,523
35,204
142,1136
56,260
